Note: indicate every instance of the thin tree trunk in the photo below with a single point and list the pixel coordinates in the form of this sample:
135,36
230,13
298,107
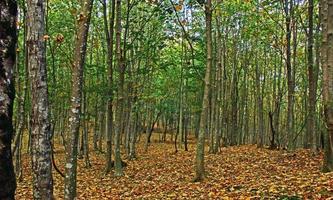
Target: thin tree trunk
234,99
101,131
132,154
289,122
199,159
311,130
120,100
85,133
186,131
76,98
109,32
96,127
260,115
218,82
21,121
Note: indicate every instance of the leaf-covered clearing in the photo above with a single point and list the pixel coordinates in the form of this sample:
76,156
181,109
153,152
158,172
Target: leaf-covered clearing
243,172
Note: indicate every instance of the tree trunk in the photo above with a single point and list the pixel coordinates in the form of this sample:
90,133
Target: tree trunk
85,131
311,130
120,100
8,40
289,127
199,159
95,137
109,32
40,120
132,154
327,63
16,149
217,121
260,115
76,98
101,131
234,100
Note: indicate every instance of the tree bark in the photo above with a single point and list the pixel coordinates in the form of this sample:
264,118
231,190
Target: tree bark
327,64
109,32
311,131
40,120
219,86
120,100
289,130
199,159
260,114
83,22
8,40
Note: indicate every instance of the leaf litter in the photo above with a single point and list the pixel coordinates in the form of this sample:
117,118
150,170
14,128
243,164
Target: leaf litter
242,172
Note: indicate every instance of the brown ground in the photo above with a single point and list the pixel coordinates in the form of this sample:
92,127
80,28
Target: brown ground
243,172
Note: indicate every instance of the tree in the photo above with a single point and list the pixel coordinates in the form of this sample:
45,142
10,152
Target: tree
120,98
219,88
288,9
260,114
200,151
327,66
311,131
40,120
8,40
109,32
77,81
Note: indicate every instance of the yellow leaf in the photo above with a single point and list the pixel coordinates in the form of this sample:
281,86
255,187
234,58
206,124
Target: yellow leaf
178,7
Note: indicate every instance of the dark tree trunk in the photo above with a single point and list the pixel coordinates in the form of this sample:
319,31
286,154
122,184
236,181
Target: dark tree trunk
327,63
8,40
311,131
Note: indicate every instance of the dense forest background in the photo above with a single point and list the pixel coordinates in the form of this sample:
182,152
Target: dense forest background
110,81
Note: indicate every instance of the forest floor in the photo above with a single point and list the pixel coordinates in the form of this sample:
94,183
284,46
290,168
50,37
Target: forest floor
243,172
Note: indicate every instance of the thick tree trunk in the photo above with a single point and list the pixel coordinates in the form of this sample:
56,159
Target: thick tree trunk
199,159
327,59
8,40
40,120
76,98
